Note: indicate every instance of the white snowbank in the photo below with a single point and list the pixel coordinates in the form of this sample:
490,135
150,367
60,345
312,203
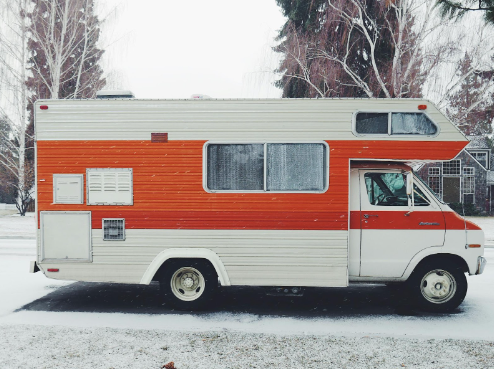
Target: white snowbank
15,226
19,287
487,225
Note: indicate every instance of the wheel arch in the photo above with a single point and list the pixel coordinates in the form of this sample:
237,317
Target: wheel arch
421,259
186,253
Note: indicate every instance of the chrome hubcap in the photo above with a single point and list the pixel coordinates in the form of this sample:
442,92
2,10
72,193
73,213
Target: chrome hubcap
438,286
187,284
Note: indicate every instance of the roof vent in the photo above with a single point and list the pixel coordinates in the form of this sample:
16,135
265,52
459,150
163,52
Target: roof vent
115,94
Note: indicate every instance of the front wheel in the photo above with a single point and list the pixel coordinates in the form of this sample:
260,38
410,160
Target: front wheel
189,284
438,286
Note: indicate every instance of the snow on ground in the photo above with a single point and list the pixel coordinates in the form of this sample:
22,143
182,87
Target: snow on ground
487,225
15,226
17,285
225,338
62,347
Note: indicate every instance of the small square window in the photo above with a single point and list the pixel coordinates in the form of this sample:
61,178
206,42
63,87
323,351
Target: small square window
452,168
113,229
434,171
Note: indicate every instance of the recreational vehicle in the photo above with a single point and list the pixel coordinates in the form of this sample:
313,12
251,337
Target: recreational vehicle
201,193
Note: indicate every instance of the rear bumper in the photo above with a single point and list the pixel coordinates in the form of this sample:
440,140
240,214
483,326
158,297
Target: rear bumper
481,263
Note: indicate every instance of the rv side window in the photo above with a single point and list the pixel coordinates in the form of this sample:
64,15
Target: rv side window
372,123
274,167
296,167
411,124
236,167
394,124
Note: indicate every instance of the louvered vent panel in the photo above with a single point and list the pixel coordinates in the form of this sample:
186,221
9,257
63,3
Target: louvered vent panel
113,229
109,186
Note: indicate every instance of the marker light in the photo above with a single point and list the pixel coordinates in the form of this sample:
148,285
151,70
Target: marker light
44,107
474,246
53,270
422,107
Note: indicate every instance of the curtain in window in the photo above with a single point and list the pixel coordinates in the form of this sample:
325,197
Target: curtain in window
296,167
411,124
235,167
372,123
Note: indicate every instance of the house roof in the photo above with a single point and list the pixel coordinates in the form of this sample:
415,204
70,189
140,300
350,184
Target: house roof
477,142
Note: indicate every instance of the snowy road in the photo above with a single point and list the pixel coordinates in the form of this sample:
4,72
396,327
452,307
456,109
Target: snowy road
47,323
359,309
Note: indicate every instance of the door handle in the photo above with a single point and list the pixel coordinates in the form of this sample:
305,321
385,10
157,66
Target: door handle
367,216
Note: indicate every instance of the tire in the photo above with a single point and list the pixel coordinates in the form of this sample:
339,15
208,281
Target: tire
438,286
189,284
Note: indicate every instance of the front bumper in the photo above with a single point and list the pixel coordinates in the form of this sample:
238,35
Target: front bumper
481,262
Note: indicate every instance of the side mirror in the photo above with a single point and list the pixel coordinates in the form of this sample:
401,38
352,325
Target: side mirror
409,177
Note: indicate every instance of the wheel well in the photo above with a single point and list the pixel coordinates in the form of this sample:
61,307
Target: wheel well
170,261
458,260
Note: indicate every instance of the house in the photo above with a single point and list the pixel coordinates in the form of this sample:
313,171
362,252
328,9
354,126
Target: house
467,179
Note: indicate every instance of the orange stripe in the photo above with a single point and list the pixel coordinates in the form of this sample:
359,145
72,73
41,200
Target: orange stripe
168,188
398,220
455,221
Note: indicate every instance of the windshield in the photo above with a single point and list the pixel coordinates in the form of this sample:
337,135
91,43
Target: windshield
428,188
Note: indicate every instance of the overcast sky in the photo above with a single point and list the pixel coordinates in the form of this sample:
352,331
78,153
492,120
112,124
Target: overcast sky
173,49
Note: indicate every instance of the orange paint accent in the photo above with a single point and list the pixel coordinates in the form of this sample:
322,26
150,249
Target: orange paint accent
168,192
455,221
397,220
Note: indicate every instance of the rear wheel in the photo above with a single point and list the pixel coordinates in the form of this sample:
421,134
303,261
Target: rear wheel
438,286
189,284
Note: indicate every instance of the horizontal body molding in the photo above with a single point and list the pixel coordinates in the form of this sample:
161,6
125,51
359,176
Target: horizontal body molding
247,119
168,188
416,220
270,258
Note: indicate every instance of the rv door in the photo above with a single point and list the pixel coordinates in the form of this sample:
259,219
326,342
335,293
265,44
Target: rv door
390,234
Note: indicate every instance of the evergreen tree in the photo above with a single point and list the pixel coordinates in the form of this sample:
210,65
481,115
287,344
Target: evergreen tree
317,25
457,9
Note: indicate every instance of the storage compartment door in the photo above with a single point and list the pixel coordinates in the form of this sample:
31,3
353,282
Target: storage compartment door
66,235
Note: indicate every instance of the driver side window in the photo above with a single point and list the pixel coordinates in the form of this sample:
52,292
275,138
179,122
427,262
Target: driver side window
389,189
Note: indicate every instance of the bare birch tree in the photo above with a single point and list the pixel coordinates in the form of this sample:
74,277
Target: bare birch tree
405,24
427,56
14,33
66,53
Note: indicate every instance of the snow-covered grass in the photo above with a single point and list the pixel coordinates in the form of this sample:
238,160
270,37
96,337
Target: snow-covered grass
62,347
15,226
